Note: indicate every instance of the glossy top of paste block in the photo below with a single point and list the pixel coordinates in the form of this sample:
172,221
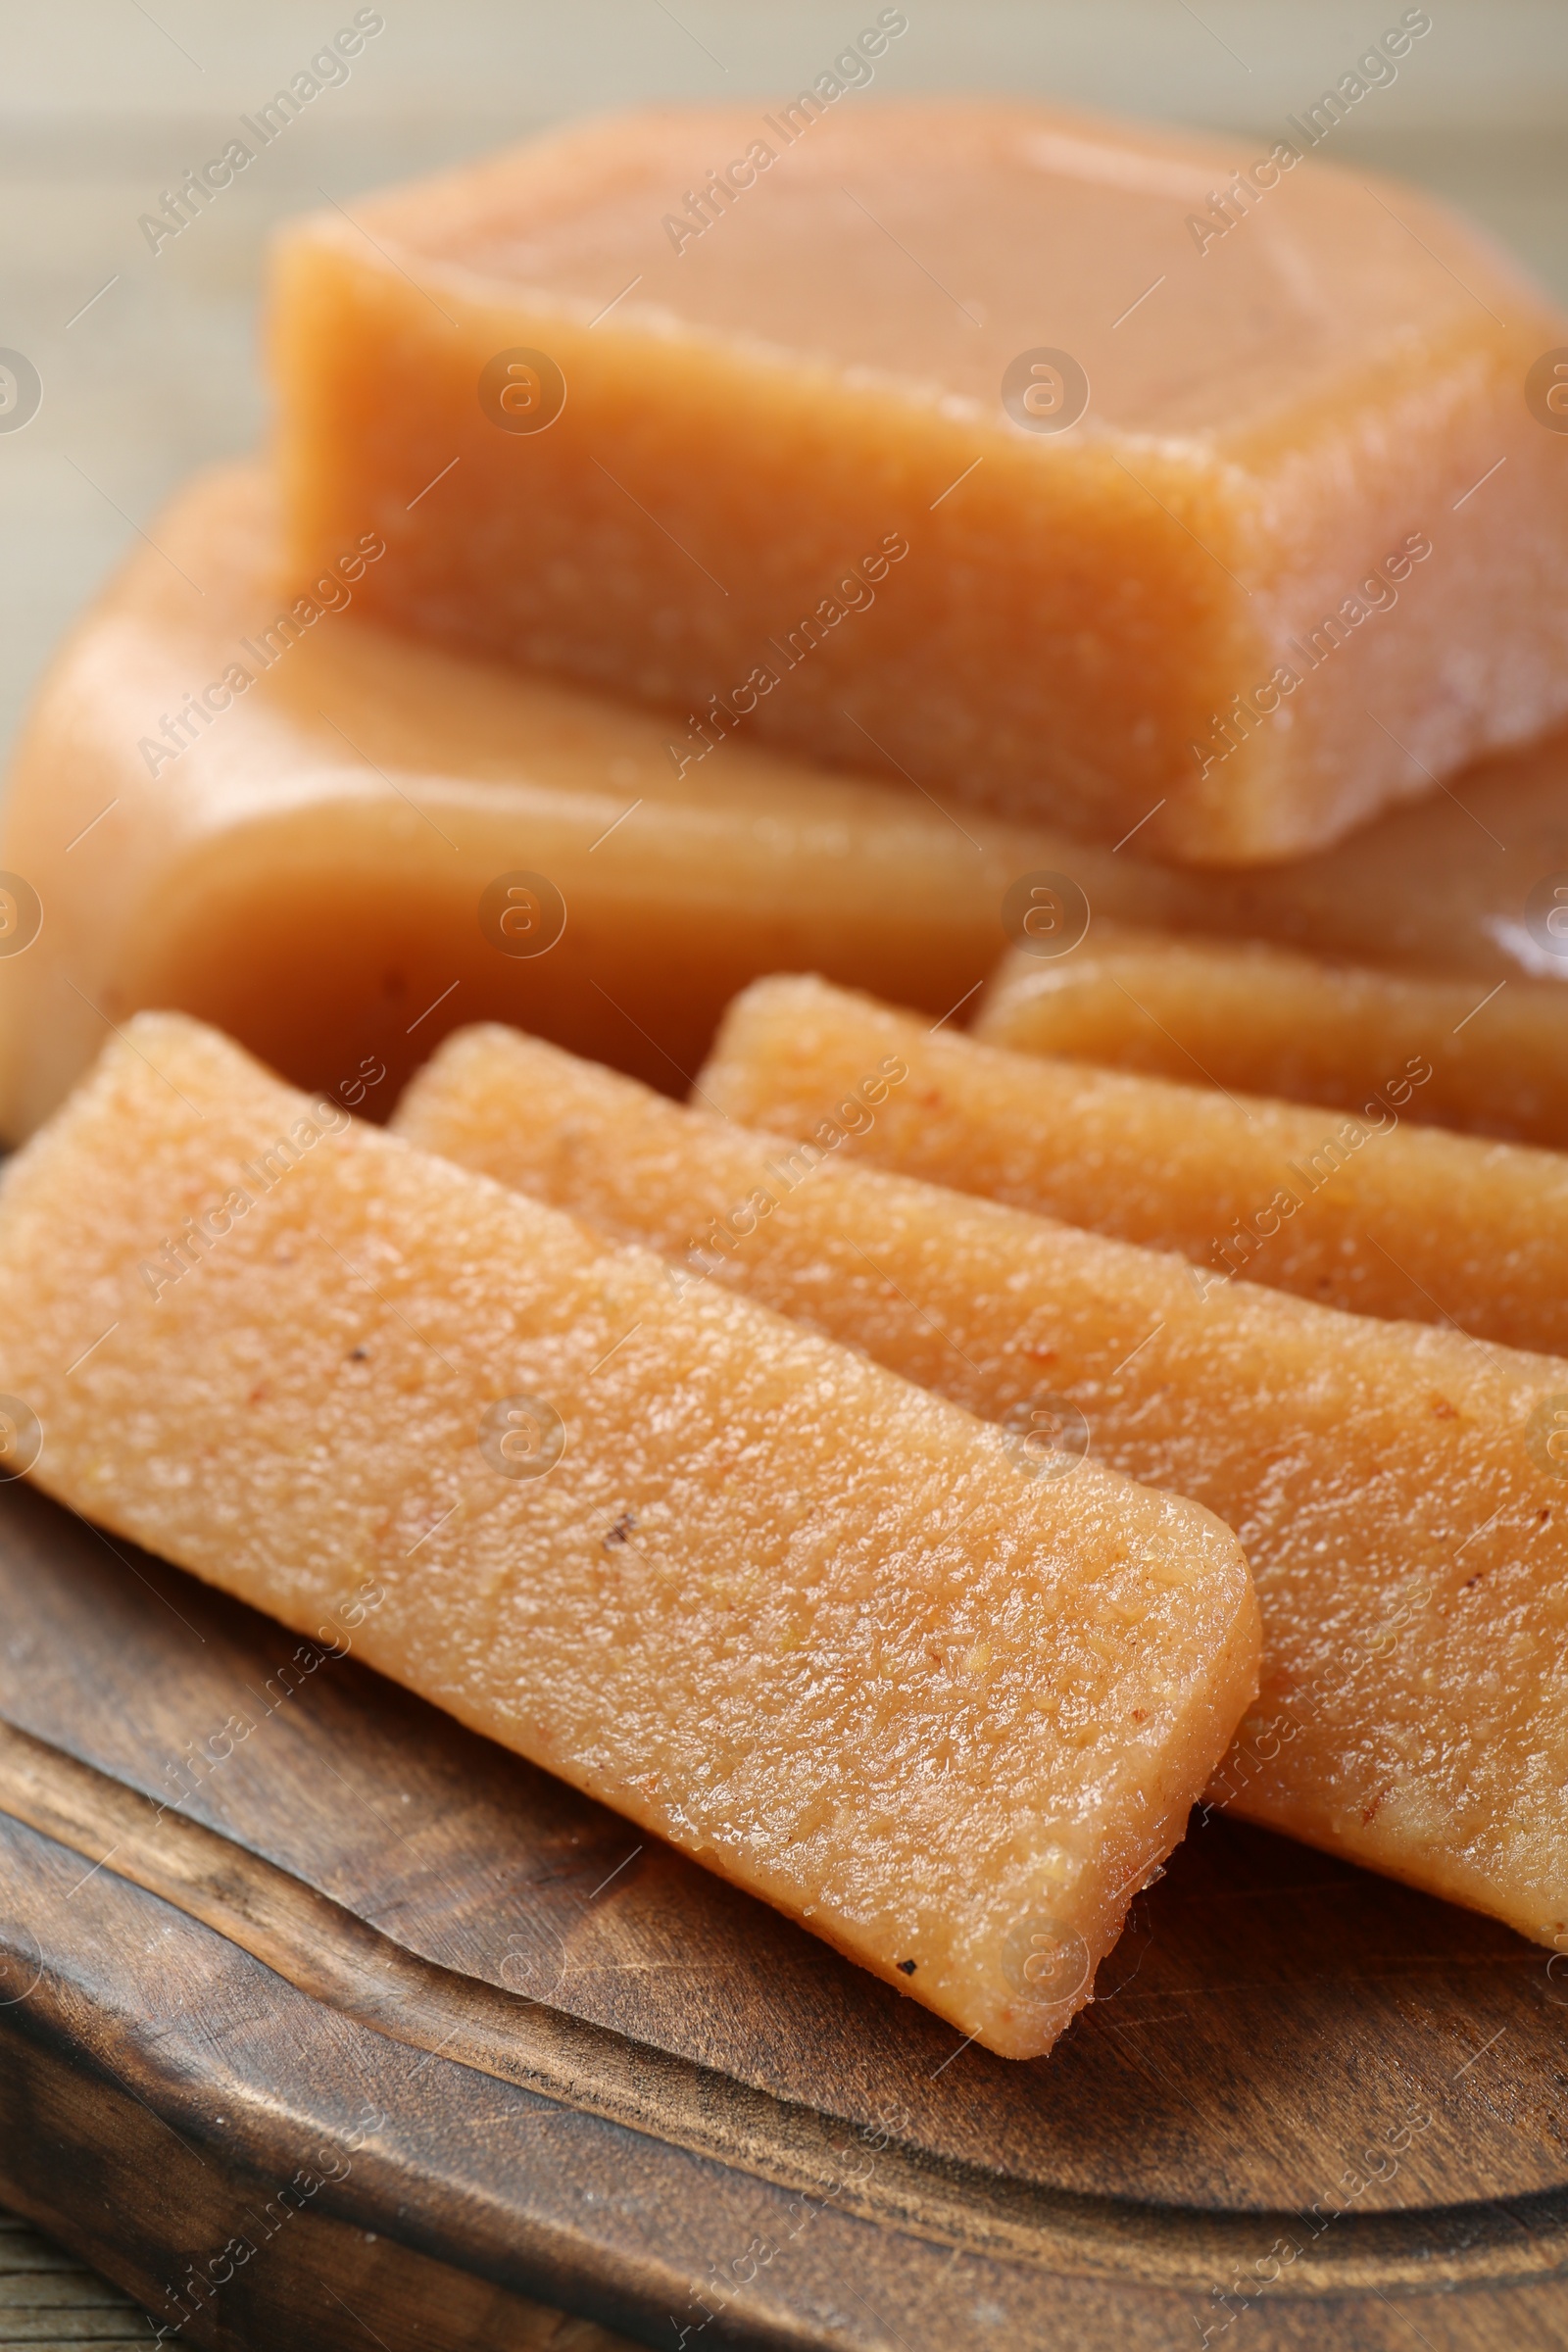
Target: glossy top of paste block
1202,285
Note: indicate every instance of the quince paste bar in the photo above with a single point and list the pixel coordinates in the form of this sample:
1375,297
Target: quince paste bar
236,797
1400,1491
1090,471
826,1633
1360,1210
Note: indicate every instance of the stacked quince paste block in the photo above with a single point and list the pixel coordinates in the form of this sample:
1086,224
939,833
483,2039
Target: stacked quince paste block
707,545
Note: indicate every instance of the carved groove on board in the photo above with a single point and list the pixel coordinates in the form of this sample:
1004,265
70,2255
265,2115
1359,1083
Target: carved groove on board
331,1954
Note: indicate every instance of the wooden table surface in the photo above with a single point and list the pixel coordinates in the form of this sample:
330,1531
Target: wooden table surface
52,2303
149,364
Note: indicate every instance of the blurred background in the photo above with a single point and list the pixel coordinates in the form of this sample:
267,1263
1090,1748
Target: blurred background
152,363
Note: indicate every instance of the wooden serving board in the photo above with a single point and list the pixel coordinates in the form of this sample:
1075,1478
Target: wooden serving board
391,2039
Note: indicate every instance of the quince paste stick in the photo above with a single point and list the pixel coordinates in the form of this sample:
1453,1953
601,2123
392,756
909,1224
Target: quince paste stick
1263,1019
1400,1490
1359,1210
822,1630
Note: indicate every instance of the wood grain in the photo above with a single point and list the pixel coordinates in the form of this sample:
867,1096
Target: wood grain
49,2301
597,2076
